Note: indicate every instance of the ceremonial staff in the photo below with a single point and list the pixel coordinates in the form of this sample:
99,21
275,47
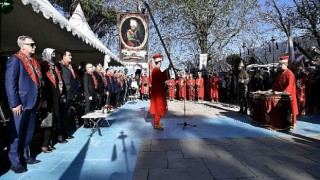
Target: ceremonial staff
158,32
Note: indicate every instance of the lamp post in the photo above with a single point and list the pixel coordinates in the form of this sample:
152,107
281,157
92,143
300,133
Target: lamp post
244,54
291,18
272,40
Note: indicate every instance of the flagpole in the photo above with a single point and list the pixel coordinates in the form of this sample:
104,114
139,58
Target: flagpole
158,32
290,44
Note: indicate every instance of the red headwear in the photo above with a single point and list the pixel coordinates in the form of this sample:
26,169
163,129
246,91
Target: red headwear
283,59
157,57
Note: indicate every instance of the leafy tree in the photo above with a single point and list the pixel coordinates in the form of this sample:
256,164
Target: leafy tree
210,25
234,60
303,16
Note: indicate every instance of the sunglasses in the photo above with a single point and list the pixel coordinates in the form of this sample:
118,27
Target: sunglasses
31,44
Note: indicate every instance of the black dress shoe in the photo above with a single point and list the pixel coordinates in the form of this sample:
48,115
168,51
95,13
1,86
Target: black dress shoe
62,141
52,148
18,169
46,150
70,137
32,161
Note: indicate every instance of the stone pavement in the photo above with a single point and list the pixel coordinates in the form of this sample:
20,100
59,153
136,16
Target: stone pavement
223,145
229,158
284,157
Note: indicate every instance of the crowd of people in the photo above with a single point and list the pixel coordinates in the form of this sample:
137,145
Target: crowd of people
50,89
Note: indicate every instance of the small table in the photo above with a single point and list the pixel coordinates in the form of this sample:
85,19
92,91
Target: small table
95,118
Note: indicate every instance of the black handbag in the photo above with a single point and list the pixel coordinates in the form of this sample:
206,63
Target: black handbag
45,118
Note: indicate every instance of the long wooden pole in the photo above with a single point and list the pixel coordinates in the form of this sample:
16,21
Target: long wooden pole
158,32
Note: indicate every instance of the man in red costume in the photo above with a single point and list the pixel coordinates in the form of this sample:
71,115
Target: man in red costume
171,84
301,78
207,87
286,82
181,84
158,89
200,87
145,84
191,83
214,90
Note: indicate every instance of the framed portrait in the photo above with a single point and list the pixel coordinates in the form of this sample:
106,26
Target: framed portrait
133,36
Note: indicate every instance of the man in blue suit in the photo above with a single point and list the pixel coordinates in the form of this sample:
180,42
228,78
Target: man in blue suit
23,82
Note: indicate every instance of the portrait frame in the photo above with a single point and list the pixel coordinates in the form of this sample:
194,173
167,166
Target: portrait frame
142,27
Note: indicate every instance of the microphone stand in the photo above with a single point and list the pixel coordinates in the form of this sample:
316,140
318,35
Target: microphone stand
185,124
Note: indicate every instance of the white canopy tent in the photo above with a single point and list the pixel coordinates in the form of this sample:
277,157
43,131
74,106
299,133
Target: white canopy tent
78,20
40,20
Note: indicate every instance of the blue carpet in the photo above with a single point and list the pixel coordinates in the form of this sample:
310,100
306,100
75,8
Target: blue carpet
113,156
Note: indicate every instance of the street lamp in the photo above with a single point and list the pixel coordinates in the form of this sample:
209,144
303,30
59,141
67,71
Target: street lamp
272,40
244,54
291,18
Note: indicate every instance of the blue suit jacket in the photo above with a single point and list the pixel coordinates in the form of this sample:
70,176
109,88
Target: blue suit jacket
19,85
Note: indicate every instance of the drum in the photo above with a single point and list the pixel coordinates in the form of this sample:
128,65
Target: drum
276,110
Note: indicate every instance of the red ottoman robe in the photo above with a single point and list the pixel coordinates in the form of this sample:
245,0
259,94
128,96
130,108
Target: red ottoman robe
200,88
215,89
158,89
286,82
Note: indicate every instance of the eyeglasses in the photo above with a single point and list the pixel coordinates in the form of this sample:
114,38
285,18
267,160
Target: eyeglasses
31,44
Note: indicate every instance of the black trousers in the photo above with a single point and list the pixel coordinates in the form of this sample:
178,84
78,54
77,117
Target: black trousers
90,105
242,96
46,136
113,99
64,119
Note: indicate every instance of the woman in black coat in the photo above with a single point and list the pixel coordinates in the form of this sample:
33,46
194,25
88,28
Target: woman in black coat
52,88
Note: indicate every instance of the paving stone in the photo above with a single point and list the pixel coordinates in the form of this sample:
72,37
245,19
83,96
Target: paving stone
283,146
249,143
195,149
257,162
180,174
220,151
145,148
146,142
315,157
303,164
174,154
152,160
292,159
309,143
290,172
270,152
165,145
218,140
232,147
140,174
228,168
186,163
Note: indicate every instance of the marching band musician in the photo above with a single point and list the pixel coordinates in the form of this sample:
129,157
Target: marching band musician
301,79
171,88
158,98
200,87
214,90
285,82
145,85
191,85
181,83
